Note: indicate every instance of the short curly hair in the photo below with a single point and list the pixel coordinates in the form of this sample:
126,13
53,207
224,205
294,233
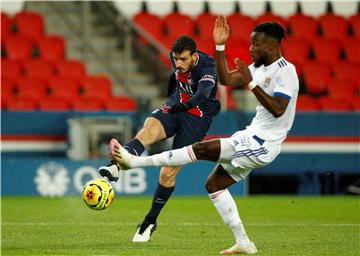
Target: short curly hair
184,43
271,29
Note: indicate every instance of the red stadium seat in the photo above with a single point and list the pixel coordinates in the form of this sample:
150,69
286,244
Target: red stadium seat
241,26
7,88
177,24
30,24
327,50
120,103
150,23
331,104
303,26
342,89
5,25
240,51
96,87
316,76
306,103
36,68
51,48
297,51
18,47
21,104
72,69
205,24
355,25
64,88
206,45
54,104
270,17
87,105
334,26
10,69
355,102
351,47
31,88
347,71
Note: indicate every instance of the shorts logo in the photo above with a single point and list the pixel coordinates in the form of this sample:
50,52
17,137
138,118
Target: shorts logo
170,155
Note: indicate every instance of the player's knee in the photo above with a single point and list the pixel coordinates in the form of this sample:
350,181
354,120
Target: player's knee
200,150
211,186
167,176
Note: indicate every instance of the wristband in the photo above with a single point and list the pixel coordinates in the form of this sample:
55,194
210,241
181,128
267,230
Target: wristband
252,84
220,47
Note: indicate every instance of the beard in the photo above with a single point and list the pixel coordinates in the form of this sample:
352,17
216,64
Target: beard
260,61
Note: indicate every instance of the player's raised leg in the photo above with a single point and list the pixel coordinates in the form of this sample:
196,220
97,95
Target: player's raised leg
151,132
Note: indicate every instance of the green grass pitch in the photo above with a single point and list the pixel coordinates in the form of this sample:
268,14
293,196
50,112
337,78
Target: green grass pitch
283,225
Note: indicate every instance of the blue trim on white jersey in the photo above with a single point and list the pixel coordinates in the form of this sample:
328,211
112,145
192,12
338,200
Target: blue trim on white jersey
282,95
282,63
249,152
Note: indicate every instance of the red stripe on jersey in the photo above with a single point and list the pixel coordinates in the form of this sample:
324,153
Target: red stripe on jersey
196,111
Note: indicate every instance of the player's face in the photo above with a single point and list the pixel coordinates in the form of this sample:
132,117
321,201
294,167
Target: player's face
259,48
184,61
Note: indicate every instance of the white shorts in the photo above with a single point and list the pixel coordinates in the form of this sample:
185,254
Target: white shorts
244,151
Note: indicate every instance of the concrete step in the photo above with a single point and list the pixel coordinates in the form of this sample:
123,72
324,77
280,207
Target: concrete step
246,99
149,91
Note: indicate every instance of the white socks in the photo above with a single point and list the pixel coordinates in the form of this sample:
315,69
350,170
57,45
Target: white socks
226,207
174,157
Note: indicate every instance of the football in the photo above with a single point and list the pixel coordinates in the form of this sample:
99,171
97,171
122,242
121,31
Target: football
98,194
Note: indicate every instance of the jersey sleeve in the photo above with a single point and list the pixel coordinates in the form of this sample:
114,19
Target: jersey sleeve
205,85
286,83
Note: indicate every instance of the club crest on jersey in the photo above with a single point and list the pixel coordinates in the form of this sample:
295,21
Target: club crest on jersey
267,82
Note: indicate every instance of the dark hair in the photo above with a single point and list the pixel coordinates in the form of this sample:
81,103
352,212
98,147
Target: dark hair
272,29
184,43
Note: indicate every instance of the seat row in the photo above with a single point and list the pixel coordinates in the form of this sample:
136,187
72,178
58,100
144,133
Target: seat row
328,25
80,104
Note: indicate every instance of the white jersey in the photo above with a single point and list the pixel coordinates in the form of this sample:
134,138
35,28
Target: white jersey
277,79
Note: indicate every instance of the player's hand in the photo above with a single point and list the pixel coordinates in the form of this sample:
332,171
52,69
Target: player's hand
244,71
180,107
221,30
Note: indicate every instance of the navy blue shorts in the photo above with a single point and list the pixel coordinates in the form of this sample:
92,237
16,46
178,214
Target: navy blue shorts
187,128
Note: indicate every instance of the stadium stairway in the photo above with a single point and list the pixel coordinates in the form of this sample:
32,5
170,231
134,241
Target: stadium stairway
105,54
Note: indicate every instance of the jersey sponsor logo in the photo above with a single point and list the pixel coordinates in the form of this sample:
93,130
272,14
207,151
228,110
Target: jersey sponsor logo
267,82
186,88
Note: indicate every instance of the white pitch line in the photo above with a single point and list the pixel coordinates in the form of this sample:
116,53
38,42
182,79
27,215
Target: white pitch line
177,224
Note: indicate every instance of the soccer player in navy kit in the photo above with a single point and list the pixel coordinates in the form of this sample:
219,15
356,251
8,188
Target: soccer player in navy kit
187,116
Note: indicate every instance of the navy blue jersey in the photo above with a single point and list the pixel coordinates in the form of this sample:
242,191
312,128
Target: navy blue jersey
200,88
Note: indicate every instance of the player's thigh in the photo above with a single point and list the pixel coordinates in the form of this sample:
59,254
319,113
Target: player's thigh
157,126
191,129
168,174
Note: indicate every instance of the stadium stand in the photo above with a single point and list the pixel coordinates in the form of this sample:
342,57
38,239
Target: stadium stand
323,44
34,68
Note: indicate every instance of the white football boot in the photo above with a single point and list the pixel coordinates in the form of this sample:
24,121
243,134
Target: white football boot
112,170
238,249
144,232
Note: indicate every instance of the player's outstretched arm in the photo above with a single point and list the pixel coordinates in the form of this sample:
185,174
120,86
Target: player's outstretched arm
221,34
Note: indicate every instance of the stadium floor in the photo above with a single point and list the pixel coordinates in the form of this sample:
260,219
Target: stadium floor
279,225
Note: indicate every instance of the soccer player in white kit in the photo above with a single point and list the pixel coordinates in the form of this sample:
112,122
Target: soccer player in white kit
274,82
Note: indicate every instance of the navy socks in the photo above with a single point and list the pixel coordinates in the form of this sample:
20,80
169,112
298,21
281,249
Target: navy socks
161,196
135,147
